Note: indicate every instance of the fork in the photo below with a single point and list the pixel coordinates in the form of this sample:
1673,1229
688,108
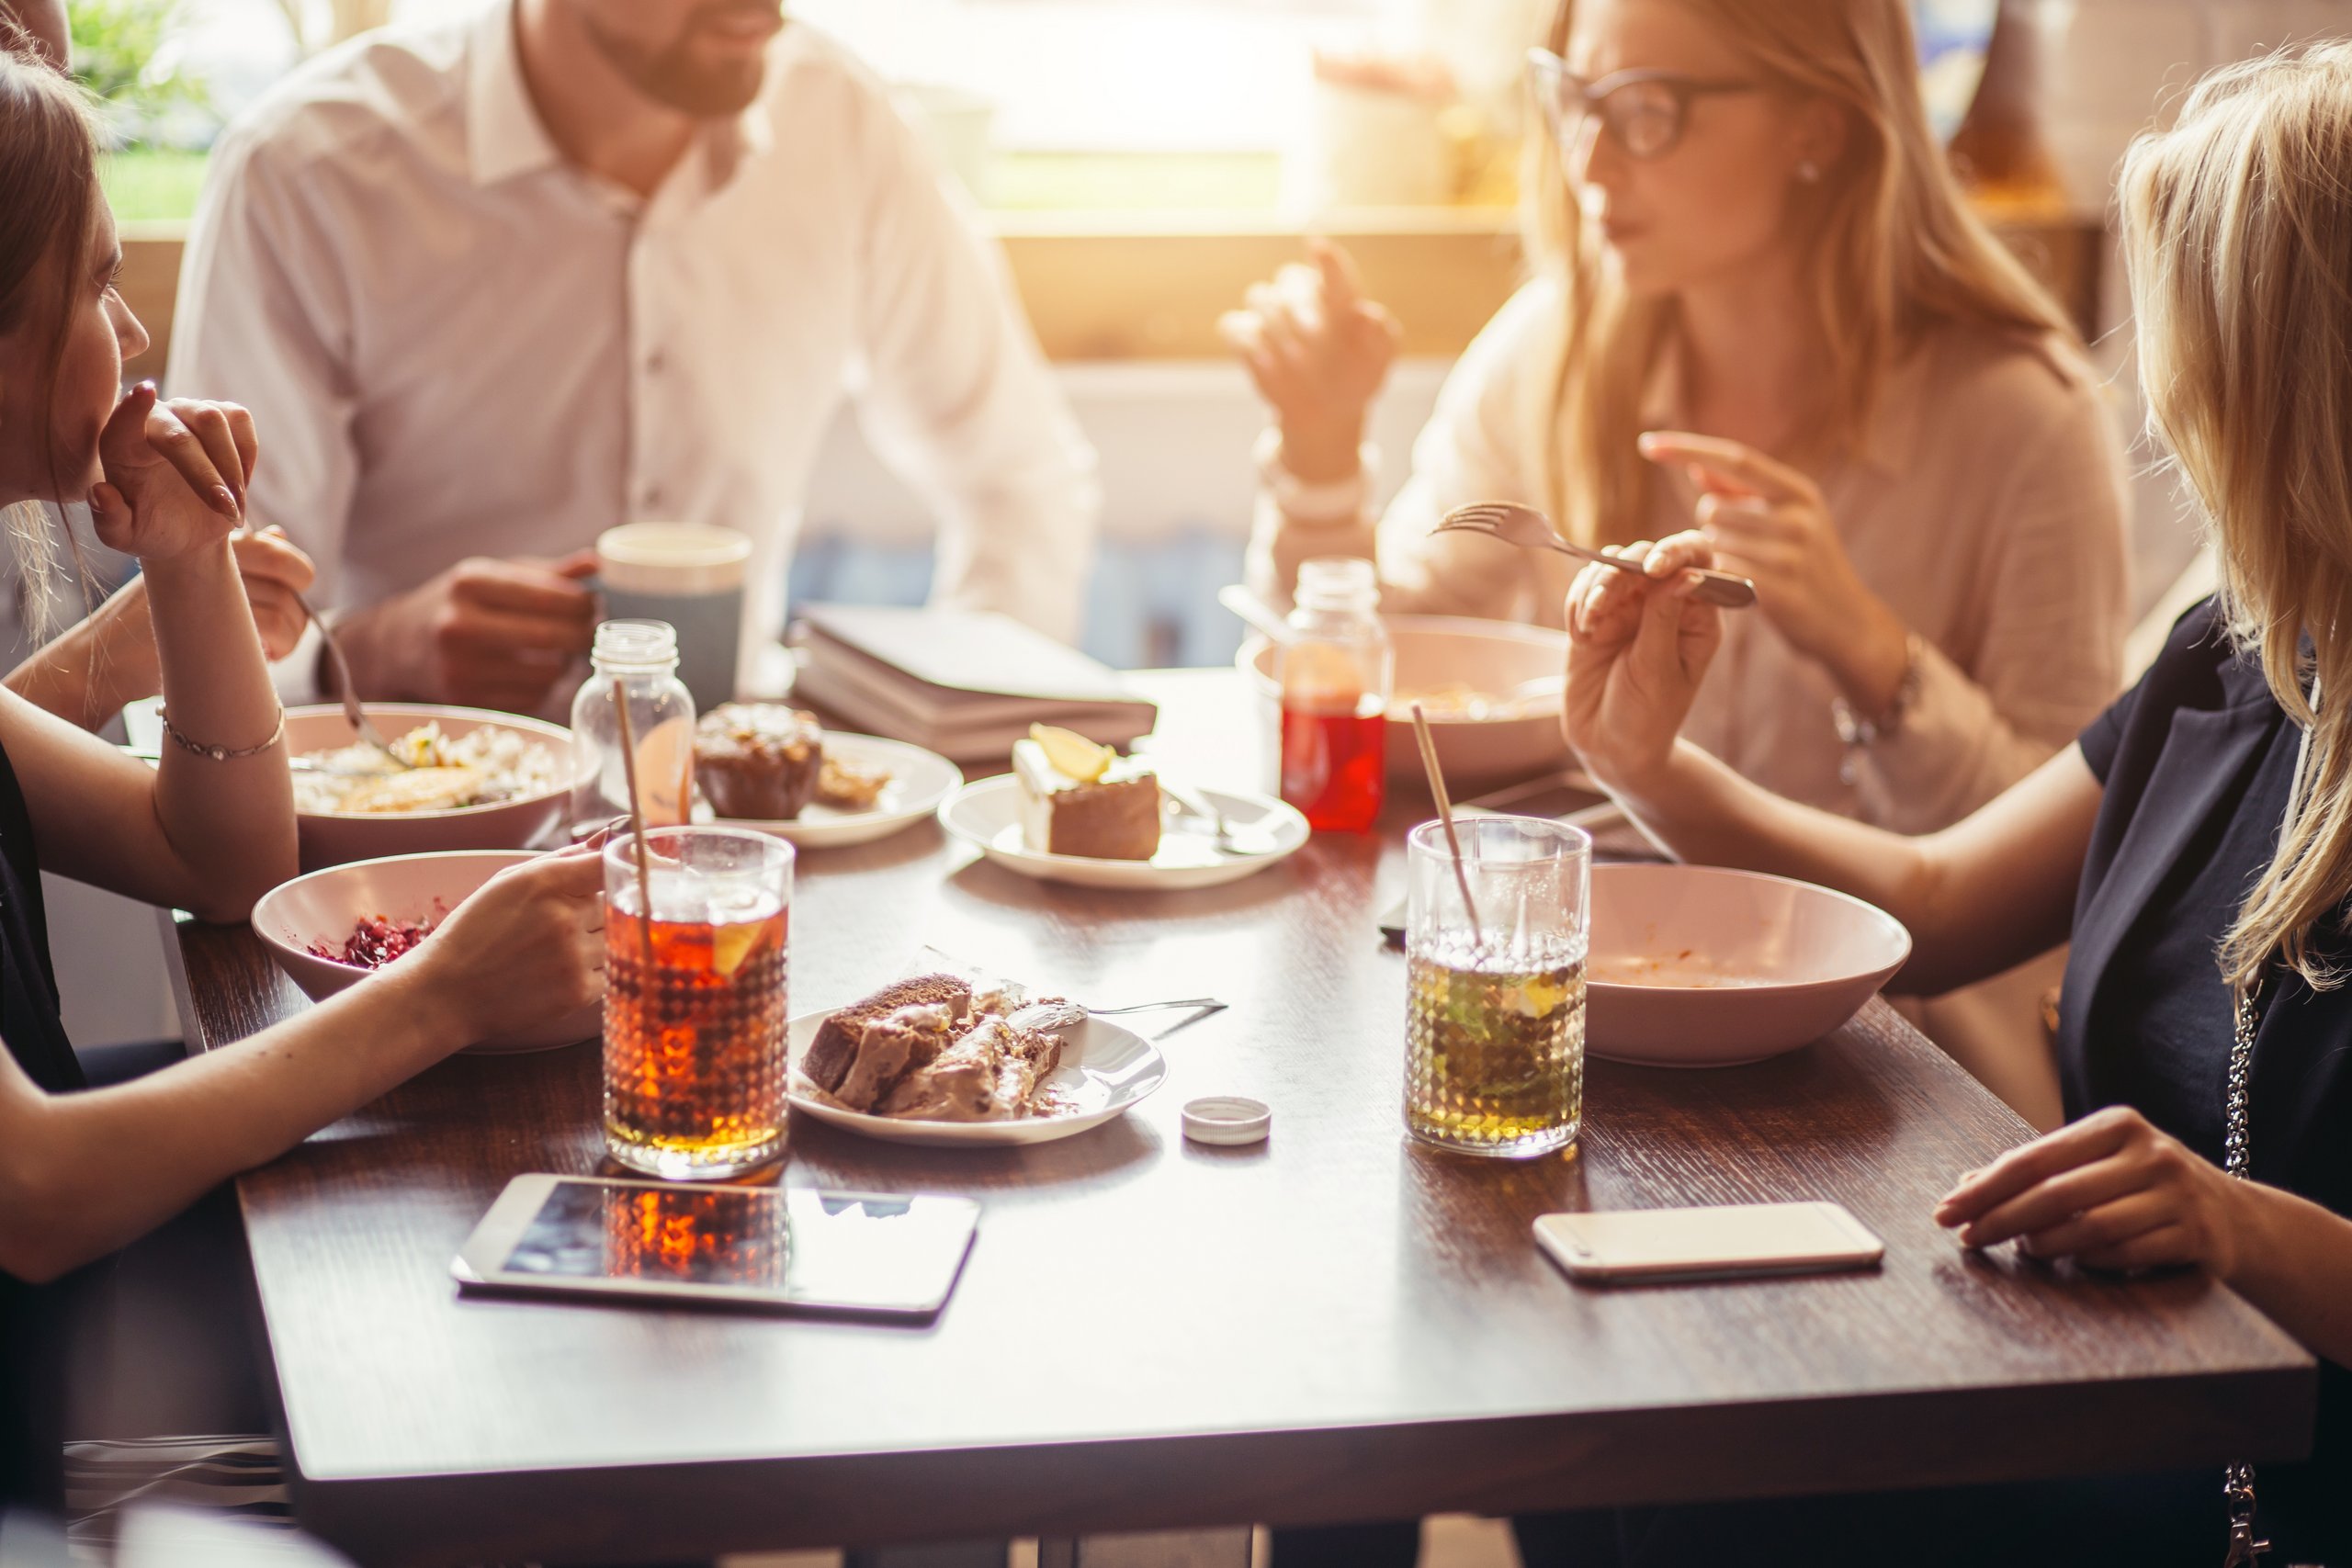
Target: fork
355,715
1531,530
1054,1016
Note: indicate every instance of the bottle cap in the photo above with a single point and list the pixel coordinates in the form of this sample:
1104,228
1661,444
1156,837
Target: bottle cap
1336,582
636,644
1227,1119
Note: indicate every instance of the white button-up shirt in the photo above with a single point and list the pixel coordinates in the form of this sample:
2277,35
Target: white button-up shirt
456,342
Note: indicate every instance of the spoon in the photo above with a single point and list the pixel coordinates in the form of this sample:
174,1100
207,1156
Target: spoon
1233,841
1531,530
1261,616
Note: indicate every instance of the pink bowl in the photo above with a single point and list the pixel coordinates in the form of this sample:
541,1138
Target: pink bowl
1696,966
332,839
325,906
1434,653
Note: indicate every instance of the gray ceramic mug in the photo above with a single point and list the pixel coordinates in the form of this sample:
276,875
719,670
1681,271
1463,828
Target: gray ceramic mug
691,575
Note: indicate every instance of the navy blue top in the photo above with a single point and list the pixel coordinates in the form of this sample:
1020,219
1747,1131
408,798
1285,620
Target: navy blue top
31,1348
2198,762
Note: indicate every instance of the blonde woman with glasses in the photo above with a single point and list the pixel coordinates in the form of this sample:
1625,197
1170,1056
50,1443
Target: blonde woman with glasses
2195,844
1761,305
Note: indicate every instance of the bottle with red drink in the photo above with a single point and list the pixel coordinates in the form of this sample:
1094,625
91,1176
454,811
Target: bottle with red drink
1333,672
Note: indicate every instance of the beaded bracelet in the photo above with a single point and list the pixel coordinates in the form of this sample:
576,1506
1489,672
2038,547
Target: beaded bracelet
221,753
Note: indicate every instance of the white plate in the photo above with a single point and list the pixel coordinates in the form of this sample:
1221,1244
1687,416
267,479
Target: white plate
1106,1071
920,780
987,815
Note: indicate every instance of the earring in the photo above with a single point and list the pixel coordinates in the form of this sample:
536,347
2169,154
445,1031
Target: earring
1809,172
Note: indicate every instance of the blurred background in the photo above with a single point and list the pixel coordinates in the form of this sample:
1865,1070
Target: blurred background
1141,161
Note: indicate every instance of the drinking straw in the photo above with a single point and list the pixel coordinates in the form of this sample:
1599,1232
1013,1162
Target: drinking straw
1445,815
637,821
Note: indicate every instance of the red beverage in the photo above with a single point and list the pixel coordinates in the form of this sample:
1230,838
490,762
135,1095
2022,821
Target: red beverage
695,1044
681,1232
1335,767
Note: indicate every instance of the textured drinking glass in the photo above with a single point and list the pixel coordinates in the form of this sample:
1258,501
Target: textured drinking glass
1494,1028
695,1038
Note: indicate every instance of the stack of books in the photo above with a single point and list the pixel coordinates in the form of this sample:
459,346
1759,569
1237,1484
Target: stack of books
964,683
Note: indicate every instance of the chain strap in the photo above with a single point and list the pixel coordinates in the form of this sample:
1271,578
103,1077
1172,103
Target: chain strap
2237,1143
2237,1159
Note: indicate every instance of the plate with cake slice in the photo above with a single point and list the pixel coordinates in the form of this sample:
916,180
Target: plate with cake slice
776,769
940,1060
1072,811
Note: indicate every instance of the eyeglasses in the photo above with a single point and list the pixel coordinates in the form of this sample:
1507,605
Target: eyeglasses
1643,111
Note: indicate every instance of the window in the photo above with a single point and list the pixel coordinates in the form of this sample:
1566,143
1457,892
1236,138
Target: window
1113,75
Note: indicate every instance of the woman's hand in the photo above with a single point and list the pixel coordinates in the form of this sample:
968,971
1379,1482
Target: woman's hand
2109,1191
175,474
1318,352
277,574
1639,646
1768,522
528,944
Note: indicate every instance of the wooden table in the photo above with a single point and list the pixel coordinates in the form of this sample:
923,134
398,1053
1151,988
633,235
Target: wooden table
1154,1335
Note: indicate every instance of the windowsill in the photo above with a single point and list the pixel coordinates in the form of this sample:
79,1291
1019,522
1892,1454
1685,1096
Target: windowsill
1149,283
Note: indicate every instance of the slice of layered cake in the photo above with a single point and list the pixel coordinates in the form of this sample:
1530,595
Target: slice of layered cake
1078,798
862,1050
931,1049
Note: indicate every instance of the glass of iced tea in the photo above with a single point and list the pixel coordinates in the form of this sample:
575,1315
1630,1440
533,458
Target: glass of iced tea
695,1046
1494,1005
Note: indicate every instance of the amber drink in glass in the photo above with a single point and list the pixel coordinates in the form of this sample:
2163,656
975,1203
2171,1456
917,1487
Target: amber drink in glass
696,1046
1494,1005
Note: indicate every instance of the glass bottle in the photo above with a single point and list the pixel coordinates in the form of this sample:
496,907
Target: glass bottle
1333,674
639,658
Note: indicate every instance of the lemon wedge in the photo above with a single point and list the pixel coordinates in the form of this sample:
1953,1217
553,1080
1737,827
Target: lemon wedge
729,945
1072,753
1537,999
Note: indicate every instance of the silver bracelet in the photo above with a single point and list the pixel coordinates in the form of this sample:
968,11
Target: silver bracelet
221,753
1331,501
1857,732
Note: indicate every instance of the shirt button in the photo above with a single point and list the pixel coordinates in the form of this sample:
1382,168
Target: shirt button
654,362
650,498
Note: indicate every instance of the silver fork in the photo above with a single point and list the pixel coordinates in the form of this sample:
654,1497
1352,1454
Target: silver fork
1054,1017
357,717
1531,530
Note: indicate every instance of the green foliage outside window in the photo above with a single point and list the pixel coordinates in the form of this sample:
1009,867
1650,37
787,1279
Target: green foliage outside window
122,53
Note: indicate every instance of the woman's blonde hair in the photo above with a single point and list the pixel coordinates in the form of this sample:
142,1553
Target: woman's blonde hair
2237,227
1893,249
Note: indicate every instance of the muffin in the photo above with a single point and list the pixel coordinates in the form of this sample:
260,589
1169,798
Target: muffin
758,761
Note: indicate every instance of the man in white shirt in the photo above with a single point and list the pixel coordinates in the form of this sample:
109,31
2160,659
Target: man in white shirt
489,288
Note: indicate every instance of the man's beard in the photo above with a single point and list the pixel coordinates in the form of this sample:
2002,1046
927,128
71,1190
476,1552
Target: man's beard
671,75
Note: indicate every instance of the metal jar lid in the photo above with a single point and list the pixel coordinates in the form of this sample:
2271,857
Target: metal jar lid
1227,1119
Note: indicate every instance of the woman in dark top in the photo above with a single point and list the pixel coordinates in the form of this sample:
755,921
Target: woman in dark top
2203,886
83,1171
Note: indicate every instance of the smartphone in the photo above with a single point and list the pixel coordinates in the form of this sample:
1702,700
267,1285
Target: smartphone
790,1248
1563,794
1732,1242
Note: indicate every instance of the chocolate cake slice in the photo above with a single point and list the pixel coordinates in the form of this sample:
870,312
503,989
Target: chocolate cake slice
831,1055
892,1046
994,1073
